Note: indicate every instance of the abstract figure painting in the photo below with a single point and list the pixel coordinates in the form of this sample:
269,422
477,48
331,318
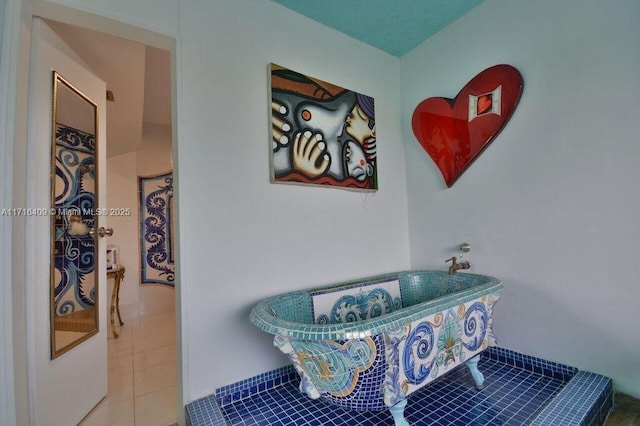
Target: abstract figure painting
321,134
454,132
156,230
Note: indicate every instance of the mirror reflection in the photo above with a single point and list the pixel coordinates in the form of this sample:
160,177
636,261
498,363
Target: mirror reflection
74,289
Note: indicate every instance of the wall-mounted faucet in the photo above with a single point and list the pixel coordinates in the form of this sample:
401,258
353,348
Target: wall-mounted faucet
455,266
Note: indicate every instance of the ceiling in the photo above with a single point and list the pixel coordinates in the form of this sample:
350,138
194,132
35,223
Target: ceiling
139,77
395,26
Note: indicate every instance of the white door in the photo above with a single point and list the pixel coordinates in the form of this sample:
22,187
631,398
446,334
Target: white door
64,387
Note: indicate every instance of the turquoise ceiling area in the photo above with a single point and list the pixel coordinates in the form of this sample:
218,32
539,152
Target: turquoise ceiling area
395,26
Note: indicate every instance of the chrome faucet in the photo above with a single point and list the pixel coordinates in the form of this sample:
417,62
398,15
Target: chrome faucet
455,266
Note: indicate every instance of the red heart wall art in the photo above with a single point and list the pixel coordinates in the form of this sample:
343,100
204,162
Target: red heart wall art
454,132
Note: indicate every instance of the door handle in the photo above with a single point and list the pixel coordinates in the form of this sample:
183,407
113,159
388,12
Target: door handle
102,232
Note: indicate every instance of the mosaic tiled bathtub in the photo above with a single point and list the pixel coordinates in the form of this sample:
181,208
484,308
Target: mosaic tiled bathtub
367,344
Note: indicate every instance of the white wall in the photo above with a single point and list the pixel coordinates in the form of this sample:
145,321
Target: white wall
552,206
241,237
153,157
122,193
3,6
16,57
7,398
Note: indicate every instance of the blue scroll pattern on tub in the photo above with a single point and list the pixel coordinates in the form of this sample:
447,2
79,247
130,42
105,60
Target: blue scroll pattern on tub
357,303
74,251
352,308
422,349
156,230
417,350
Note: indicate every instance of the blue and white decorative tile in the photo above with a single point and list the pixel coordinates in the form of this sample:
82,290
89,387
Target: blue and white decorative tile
74,249
356,303
425,349
156,229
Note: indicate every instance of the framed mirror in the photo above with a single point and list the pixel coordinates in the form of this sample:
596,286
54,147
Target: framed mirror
74,250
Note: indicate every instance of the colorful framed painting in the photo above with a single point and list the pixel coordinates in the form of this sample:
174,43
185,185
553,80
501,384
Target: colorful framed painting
321,134
157,229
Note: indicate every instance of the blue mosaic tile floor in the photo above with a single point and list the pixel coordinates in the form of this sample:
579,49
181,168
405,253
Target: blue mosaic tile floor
518,390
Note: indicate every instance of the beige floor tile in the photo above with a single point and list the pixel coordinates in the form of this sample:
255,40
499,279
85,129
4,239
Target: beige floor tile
154,308
120,388
119,347
142,365
154,357
155,300
153,341
121,365
159,324
129,312
125,332
116,414
156,408
167,316
154,378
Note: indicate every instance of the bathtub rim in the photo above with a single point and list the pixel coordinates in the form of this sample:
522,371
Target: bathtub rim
266,321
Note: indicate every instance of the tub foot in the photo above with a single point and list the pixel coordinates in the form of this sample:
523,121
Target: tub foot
397,411
478,377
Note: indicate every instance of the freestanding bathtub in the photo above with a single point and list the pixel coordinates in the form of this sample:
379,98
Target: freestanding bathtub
367,344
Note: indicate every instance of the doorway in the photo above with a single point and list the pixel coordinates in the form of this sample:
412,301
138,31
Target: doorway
141,345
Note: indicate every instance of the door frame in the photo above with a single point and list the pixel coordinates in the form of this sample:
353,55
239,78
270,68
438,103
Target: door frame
9,40
16,381
59,393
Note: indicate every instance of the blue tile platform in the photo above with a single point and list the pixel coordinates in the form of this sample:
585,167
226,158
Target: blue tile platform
518,390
